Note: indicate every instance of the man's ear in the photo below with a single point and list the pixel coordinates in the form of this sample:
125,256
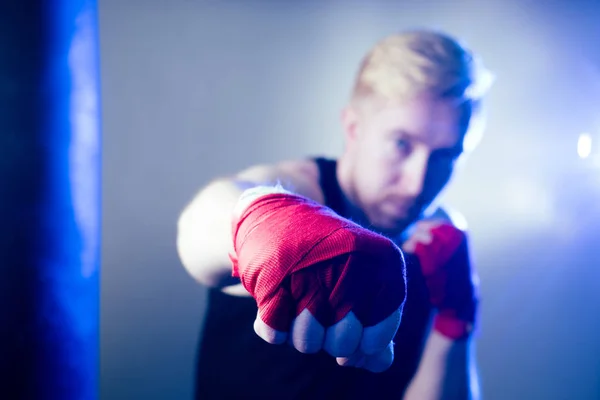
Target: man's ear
350,122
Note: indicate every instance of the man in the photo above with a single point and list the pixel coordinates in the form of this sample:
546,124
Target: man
319,302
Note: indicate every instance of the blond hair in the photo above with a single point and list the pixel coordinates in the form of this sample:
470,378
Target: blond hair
417,62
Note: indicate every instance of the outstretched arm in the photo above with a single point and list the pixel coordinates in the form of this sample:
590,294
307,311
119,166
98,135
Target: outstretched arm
447,371
204,239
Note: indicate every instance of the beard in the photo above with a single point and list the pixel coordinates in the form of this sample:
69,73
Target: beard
392,227
392,221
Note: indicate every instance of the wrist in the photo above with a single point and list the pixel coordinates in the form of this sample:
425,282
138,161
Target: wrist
250,195
452,327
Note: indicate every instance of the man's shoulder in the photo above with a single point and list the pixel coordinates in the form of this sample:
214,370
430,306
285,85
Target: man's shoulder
307,167
298,175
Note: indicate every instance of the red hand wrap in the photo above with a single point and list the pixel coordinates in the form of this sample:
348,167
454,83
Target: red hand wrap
292,253
451,281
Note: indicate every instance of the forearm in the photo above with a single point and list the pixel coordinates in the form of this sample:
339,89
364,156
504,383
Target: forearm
204,237
447,371
204,233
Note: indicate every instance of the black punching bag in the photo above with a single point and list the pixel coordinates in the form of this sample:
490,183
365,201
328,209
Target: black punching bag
49,199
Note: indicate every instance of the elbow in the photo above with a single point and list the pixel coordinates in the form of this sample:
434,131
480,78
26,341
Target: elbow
196,249
190,252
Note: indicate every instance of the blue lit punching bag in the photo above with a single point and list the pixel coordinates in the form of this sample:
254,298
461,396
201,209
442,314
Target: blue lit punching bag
49,200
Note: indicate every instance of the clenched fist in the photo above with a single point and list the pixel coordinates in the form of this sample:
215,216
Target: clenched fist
443,254
321,282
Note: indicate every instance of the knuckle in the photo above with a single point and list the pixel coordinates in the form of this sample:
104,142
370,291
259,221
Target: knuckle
342,348
372,347
270,339
344,361
343,338
307,346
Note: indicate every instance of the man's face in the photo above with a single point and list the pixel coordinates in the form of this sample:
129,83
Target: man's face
401,156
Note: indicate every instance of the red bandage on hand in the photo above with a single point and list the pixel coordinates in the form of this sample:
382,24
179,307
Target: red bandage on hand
451,281
292,253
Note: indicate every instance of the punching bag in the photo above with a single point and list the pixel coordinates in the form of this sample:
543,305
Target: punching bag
49,199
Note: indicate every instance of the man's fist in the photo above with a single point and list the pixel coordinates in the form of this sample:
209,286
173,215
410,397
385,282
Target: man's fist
320,281
443,255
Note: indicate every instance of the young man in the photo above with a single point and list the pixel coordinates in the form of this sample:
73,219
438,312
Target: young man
320,303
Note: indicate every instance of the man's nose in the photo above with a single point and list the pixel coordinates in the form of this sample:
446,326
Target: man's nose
413,174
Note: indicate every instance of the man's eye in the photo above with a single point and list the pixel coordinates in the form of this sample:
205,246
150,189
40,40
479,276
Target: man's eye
402,144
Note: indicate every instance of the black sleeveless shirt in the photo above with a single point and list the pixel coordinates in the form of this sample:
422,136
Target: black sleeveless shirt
234,363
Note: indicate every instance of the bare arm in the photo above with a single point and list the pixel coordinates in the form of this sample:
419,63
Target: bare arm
447,371
204,239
